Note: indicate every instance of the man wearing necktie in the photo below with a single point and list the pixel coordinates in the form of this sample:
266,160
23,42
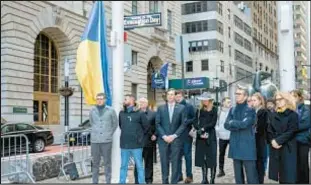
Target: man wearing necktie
170,124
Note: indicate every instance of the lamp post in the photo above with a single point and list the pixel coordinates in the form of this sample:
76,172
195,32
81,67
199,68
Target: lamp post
66,92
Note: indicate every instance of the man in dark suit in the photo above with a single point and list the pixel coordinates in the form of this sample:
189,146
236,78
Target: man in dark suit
149,142
170,124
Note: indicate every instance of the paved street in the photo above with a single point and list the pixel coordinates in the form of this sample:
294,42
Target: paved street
229,178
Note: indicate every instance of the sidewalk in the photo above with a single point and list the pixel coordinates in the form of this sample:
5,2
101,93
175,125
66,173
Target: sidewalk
229,178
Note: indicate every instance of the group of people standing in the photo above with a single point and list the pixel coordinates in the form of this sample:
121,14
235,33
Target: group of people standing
255,129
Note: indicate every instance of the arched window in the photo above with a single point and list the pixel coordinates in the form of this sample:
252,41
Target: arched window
46,98
45,65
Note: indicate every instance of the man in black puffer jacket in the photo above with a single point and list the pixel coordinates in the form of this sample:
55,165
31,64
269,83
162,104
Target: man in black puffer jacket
187,139
133,124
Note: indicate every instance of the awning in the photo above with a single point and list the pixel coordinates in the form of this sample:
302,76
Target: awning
190,83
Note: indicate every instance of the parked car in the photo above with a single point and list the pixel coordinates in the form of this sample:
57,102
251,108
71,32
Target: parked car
38,137
80,135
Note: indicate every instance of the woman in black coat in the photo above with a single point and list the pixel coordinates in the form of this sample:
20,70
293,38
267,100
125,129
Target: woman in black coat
206,143
281,135
260,128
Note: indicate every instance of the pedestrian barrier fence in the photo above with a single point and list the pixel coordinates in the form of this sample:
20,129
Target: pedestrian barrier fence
15,161
76,152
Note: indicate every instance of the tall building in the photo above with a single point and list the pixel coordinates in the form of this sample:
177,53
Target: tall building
300,11
36,38
220,44
265,36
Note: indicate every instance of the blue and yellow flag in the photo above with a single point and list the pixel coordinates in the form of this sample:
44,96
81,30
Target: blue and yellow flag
92,67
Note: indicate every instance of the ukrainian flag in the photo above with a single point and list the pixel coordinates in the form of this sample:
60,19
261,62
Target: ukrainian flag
92,67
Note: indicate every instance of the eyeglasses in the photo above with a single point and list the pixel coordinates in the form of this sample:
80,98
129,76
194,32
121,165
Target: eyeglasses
99,98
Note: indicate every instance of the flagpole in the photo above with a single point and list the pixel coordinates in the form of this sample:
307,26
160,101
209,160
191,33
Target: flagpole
118,80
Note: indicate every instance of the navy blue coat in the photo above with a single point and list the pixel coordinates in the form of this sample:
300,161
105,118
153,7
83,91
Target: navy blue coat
189,122
283,161
304,125
165,127
240,122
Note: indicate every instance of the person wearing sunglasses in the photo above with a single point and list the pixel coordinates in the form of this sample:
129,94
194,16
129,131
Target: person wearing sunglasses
281,134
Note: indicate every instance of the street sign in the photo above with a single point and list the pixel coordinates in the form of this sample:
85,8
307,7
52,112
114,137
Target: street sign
142,20
20,110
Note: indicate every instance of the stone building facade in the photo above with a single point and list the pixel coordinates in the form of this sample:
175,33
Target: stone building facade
37,37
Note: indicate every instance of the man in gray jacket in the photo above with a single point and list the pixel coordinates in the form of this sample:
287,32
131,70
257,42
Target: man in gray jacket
104,122
222,133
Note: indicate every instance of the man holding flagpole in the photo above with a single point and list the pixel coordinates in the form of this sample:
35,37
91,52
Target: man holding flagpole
92,71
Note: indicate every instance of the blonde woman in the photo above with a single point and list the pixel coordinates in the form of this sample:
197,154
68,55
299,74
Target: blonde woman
260,128
206,143
281,135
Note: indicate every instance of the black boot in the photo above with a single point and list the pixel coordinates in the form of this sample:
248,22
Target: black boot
221,172
213,174
204,175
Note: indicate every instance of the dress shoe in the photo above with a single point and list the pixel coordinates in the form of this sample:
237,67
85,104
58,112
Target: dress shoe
188,180
221,173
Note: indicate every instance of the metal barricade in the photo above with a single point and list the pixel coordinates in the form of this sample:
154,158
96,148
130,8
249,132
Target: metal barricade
15,161
75,149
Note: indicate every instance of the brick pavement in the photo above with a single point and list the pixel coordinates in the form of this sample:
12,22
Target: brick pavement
229,178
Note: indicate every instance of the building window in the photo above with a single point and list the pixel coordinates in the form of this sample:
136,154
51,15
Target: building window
46,80
200,45
204,65
220,27
230,69
134,90
267,68
247,45
229,32
202,26
134,8
169,21
229,50
222,66
153,6
221,46
238,22
229,16
247,29
219,8
238,39
189,66
134,57
260,66
174,70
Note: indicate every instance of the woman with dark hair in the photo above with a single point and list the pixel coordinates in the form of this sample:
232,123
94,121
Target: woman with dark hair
281,135
206,143
260,128
303,138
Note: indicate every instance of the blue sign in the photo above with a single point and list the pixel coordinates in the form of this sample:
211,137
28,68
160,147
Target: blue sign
157,81
196,83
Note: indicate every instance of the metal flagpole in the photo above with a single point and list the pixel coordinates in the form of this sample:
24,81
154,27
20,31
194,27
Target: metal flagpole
118,80
286,45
